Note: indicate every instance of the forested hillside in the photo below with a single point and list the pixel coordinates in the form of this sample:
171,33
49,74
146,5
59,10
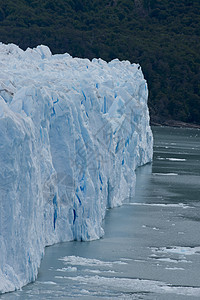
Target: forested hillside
162,35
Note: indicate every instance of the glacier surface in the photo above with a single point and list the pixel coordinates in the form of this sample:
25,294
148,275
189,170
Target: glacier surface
72,133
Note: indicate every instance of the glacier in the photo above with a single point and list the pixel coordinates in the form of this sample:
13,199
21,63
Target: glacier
72,133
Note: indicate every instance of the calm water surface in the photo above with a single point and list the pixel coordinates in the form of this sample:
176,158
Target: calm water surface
151,247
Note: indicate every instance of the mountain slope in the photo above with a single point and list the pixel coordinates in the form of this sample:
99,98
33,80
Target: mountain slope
163,36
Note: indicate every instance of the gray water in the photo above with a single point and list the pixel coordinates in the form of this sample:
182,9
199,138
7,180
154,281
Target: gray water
151,247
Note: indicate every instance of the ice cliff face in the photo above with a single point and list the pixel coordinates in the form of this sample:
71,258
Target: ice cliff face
72,133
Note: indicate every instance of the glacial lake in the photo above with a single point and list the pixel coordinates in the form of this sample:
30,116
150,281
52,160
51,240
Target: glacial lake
151,246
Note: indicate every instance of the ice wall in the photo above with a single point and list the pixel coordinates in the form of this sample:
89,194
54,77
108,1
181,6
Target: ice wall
72,132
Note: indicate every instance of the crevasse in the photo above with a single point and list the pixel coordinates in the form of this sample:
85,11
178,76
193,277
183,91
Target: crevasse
72,133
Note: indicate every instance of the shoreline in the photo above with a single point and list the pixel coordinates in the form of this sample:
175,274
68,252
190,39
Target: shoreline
178,124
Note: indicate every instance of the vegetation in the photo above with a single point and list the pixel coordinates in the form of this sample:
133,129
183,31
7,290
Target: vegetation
162,35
